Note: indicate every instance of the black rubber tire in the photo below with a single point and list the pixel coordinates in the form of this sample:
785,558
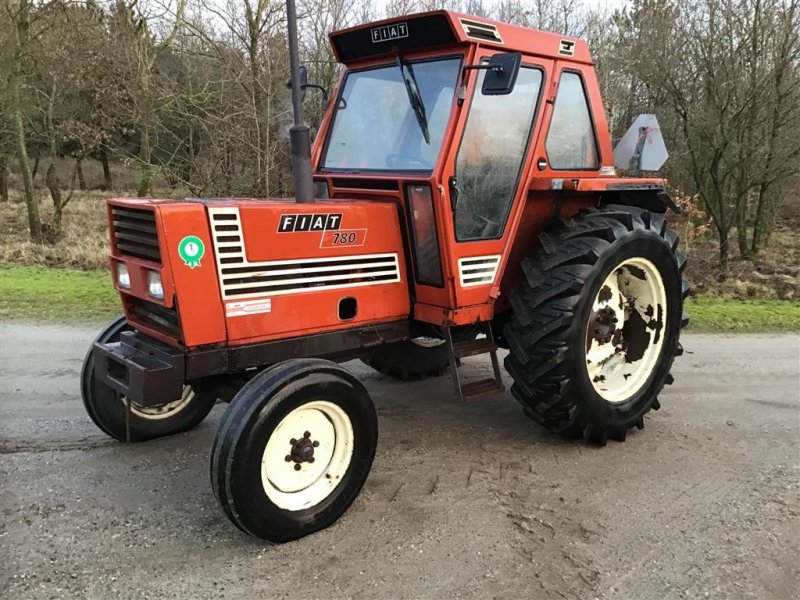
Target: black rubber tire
408,361
547,331
108,412
249,421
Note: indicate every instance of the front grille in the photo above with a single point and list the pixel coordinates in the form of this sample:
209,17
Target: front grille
134,232
155,316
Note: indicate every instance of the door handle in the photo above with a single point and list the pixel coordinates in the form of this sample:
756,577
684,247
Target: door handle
452,183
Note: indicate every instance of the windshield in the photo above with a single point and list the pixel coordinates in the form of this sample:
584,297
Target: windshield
375,126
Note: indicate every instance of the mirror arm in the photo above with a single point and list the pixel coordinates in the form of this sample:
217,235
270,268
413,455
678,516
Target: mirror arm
495,68
320,88
483,67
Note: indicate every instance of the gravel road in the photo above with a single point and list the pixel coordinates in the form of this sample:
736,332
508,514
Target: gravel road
465,500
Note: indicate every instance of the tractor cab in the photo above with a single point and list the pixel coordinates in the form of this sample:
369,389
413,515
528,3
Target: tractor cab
443,114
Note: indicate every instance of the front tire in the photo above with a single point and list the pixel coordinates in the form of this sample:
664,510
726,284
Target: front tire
596,323
294,449
107,408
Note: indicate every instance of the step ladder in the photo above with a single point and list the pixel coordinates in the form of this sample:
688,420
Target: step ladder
459,349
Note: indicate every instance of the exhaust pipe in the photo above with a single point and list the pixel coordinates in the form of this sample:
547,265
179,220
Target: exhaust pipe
299,136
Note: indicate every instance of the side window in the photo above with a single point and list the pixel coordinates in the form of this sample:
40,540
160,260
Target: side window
491,155
570,142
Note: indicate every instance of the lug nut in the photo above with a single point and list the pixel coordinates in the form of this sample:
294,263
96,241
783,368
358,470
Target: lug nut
315,444
292,441
307,435
288,458
297,467
310,460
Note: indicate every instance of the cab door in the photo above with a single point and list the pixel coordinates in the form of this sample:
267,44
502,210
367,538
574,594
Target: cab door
486,178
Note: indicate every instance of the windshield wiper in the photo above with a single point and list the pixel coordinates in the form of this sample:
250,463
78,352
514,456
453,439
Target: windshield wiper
414,96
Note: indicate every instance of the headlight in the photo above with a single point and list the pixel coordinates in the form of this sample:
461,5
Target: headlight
123,277
154,287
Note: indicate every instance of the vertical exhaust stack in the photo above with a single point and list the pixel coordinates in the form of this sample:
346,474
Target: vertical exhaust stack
299,136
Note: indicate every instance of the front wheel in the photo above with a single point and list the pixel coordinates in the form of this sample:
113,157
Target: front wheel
108,409
596,323
293,449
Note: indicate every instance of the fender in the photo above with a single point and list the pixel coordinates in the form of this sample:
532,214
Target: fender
653,198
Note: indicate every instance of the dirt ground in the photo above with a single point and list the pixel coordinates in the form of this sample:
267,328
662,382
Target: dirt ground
464,500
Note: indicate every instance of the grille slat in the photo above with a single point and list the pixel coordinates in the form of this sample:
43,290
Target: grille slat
157,317
478,270
134,233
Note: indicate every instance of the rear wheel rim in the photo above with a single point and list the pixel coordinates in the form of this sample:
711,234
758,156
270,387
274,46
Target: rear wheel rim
164,411
307,455
427,342
625,332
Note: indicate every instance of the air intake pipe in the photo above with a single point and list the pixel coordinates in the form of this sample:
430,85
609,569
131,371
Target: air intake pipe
299,137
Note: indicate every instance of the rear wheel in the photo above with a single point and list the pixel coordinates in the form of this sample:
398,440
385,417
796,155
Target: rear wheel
293,449
418,357
108,409
596,323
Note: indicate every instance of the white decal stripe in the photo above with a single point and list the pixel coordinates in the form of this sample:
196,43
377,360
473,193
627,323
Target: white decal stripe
262,279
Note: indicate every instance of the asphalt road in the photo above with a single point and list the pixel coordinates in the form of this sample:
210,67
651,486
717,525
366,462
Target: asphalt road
464,500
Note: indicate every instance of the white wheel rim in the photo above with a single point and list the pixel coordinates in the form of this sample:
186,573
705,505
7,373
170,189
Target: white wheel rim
427,342
163,411
625,333
330,437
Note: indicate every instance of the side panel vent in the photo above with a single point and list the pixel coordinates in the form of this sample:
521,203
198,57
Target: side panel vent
481,31
240,278
478,270
134,232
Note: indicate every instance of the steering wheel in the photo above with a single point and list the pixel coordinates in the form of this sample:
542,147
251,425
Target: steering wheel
488,226
397,159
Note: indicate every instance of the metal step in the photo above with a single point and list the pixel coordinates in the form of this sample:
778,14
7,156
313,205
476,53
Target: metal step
465,348
481,388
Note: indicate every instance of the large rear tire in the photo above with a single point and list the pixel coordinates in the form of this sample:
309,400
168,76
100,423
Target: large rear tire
596,322
417,358
293,449
108,409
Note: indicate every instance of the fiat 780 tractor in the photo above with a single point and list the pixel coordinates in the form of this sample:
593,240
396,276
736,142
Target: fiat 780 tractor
461,196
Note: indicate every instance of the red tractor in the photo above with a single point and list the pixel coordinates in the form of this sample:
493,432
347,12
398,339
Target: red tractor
461,195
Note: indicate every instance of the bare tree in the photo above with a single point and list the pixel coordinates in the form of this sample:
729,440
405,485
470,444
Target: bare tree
708,64
18,16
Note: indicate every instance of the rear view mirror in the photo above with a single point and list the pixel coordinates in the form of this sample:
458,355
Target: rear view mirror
303,80
501,74
304,84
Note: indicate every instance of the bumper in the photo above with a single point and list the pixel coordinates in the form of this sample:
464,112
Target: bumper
149,372
142,369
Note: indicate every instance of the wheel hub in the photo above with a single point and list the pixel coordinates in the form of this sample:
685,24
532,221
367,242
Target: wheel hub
603,325
302,450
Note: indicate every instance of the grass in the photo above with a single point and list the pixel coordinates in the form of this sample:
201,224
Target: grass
57,294
741,316
54,294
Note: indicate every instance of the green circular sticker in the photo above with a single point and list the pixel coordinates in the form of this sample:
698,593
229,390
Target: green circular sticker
191,250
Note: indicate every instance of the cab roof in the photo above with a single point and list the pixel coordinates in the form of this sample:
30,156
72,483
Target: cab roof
442,28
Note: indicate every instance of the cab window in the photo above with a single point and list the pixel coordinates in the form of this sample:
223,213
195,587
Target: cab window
571,143
491,155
